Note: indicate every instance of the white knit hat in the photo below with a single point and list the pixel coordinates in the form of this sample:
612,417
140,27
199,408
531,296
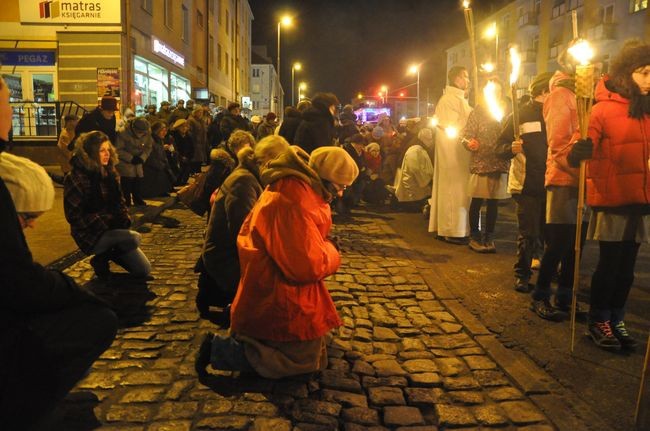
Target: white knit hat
334,164
29,185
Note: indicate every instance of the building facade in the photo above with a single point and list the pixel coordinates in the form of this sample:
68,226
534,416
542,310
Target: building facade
140,51
542,29
266,93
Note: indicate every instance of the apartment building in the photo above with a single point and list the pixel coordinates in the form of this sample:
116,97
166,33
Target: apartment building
266,93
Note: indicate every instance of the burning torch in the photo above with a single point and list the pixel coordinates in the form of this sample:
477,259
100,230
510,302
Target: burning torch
581,51
471,32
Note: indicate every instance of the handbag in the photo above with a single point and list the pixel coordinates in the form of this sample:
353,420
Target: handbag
192,195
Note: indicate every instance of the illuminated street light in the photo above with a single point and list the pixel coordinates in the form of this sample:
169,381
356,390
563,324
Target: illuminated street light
384,94
301,87
294,67
415,70
359,96
286,21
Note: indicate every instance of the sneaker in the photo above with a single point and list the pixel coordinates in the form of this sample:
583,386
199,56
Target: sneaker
477,246
535,264
623,336
601,333
202,359
489,246
545,310
523,286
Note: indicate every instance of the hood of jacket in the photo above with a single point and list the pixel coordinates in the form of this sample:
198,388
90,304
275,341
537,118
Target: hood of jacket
294,162
604,92
81,159
562,79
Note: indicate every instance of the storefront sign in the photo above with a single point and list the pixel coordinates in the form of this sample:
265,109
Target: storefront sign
162,50
70,12
27,58
108,82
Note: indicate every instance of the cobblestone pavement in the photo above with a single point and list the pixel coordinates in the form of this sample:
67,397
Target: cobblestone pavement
402,361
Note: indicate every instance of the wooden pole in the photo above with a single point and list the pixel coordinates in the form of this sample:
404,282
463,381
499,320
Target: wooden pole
637,411
469,23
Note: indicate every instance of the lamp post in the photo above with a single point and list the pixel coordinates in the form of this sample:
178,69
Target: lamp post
415,69
301,87
284,21
294,67
384,92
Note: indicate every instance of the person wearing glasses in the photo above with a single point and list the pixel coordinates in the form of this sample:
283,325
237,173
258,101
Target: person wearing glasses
282,311
51,330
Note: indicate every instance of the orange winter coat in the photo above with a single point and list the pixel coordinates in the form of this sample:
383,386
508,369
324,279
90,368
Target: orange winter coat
619,173
561,118
284,256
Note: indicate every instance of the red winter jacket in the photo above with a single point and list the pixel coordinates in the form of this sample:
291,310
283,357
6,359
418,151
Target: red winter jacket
618,173
561,118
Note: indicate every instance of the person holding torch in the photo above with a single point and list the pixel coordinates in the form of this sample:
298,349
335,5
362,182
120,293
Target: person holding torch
618,188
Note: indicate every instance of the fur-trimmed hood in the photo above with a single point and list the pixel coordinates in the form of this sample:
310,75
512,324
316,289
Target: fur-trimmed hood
81,159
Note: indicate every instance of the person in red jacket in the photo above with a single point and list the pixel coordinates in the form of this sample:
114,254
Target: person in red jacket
282,310
618,188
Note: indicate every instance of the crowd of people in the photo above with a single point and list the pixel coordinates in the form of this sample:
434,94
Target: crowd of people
269,186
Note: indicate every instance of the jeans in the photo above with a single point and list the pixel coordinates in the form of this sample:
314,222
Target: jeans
612,280
68,341
122,246
530,222
560,241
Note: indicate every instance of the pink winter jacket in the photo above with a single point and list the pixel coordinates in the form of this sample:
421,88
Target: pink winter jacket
561,118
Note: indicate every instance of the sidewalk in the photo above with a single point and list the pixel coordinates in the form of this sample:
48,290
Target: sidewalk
409,355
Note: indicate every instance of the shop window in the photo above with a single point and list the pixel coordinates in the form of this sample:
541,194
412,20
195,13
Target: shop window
199,19
180,88
638,5
185,34
168,13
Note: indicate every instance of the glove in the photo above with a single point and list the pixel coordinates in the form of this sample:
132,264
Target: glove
136,160
581,150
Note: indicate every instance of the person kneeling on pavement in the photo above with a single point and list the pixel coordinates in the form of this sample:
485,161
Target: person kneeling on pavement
413,180
283,311
94,207
219,262
51,331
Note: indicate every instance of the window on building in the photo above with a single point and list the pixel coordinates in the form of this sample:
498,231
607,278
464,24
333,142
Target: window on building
185,34
607,14
199,19
256,72
638,5
505,26
537,7
535,43
168,13
211,6
227,22
147,5
227,63
211,49
219,64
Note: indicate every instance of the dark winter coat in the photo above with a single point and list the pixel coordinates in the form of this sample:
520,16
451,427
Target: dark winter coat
233,202
289,126
184,145
198,131
527,173
158,178
230,123
94,120
316,130
128,146
266,129
93,202
348,126
26,288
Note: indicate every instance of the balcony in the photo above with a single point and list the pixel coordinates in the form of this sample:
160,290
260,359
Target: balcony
528,19
602,31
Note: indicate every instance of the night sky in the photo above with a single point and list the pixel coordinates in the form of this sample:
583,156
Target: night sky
351,46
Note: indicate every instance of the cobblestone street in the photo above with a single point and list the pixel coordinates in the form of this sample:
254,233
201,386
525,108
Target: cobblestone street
406,357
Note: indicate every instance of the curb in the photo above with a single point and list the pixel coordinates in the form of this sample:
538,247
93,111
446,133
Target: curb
561,406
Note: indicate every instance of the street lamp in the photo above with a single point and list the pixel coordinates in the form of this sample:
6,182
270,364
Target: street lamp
384,91
492,32
415,70
286,21
301,87
294,67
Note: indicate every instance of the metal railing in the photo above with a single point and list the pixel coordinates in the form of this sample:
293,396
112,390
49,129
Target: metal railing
41,121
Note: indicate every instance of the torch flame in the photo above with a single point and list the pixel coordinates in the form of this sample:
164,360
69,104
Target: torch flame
582,51
492,100
466,4
515,61
488,67
451,132
434,121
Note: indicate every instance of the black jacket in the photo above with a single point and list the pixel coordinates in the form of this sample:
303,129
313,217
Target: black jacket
94,120
316,130
535,146
289,126
230,123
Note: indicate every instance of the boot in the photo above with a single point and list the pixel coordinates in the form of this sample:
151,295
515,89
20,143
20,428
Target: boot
101,265
488,243
475,243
